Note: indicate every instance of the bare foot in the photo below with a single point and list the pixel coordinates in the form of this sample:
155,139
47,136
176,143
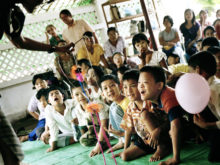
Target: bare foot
23,138
160,153
117,146
170,161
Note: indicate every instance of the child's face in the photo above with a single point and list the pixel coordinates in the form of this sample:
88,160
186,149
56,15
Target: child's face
203,15
148,88
79,96
130,89
118,60
40,84
209,33
113,36
172,60
92,79
43,101
141,46
110,90
199,46
55,97
88,41
51,31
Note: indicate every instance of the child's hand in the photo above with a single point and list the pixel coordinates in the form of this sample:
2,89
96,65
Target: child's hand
154,137
199,121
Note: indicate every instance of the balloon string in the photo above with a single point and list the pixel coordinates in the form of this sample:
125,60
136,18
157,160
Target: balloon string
106,138
93,123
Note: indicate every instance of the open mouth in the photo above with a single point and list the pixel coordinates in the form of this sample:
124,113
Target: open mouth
56,99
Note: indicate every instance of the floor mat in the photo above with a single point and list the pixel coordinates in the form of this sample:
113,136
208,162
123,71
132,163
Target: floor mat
75,154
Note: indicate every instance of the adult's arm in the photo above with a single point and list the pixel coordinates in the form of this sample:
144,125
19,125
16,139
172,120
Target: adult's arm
29,44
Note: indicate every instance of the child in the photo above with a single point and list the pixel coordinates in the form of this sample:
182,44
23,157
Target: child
88,137
198,64
55,38
173,59
84,65
208,42
199,44
152,87
33,108
59,117
92,52
147,56
110,88
93,76
132,121
209,31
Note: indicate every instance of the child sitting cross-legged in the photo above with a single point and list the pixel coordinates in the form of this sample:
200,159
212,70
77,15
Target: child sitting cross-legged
133,121
88,138
110,89
152,87
59,117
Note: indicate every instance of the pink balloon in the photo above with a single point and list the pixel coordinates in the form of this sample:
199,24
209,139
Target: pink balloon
192,92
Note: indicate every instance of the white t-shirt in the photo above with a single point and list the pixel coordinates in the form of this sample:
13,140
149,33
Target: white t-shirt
85,117
34,105
156,58
55,121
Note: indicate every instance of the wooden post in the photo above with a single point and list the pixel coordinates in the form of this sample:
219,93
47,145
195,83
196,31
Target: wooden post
148,25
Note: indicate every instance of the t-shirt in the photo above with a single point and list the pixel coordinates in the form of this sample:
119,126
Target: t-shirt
85,118
94,58
168,36
75,33
53,40
34,105
111,49
168,103
156,58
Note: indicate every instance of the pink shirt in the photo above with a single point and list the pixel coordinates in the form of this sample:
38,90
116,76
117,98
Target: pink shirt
75,33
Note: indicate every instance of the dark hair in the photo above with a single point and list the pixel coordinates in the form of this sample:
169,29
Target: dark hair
216,21
169,19
84,61
138,37
52,88
66,12
157,72
88,34
112,29
40,93
214,49
76,84
194,17
210,41
123,69
121,54
173,55
131,75
205,60
37,76
98,71
208,28
108,77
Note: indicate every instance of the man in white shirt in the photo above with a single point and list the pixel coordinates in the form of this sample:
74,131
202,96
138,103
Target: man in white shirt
75,29
59,118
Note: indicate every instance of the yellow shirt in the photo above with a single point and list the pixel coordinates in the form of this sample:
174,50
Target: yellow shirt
93,58
124,104
178,68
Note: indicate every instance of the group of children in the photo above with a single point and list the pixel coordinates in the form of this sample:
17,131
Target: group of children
137,104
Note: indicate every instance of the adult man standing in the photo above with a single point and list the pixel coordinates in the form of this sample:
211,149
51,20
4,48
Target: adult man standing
75,29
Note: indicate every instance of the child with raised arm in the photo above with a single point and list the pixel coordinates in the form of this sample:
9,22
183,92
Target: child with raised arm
110,89
152,87
134,122
59,117
84,117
